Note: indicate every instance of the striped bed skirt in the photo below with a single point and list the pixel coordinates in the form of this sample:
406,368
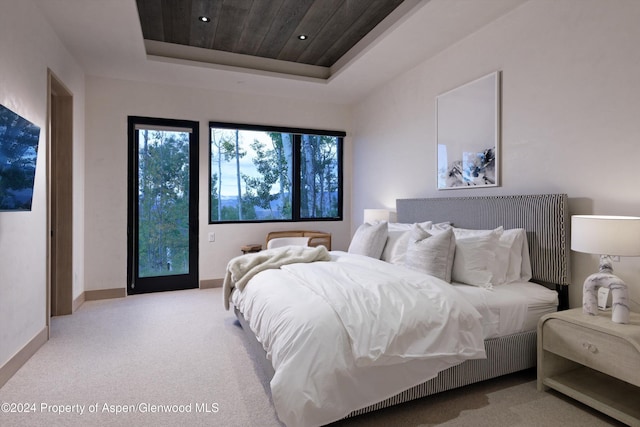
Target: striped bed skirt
505,355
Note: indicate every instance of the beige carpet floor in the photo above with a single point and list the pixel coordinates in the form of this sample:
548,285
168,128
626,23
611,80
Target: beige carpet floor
177,358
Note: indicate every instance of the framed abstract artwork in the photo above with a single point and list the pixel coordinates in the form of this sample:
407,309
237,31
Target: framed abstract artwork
468,134
18,154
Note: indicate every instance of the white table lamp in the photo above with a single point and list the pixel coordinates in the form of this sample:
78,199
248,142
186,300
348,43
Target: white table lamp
375,215
606,236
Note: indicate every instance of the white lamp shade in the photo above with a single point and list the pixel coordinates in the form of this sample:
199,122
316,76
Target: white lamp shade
606,235
373,215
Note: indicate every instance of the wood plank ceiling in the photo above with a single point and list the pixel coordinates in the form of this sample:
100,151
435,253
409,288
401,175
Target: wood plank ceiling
265,28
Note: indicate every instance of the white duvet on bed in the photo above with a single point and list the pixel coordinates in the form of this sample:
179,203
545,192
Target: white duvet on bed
349,333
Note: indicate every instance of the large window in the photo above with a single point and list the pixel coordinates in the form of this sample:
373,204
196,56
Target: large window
262,173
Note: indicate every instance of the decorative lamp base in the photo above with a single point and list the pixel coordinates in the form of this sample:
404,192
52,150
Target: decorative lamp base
619,292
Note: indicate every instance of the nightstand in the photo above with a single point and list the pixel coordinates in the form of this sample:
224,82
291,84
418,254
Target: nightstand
593,360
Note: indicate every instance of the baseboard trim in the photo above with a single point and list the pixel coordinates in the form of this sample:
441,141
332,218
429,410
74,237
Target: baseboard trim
105,294
78,302
14,364
211,283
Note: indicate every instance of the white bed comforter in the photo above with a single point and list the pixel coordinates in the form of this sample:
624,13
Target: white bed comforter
345,334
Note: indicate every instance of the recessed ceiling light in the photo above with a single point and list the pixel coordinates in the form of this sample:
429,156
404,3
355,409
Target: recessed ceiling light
303,37
204,18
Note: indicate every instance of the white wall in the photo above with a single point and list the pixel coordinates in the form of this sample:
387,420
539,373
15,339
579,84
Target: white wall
570,116
109,103
28,46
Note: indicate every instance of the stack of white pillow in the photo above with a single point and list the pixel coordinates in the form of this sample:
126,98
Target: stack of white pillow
481,258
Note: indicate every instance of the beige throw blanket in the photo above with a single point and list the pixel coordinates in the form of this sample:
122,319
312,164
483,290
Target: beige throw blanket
242,268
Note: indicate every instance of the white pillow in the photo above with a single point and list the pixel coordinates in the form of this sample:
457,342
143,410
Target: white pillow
397,240
431,253
525,271
369,240
499,265
401,226
441,226
475,260
513,240
396,247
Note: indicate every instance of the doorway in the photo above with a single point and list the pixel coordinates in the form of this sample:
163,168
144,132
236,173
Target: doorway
60,198
163,205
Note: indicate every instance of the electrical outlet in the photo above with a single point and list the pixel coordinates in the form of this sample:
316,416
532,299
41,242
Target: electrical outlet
212,237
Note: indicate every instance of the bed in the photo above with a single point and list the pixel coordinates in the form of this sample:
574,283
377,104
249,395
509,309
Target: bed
492,338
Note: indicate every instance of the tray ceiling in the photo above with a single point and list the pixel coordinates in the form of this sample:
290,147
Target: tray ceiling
261,34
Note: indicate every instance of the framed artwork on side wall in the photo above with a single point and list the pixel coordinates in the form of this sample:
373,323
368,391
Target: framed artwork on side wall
468,134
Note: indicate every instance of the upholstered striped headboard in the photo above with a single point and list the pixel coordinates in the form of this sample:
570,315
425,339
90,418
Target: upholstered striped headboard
544,216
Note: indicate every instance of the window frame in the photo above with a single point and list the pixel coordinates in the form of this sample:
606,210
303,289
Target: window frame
295,174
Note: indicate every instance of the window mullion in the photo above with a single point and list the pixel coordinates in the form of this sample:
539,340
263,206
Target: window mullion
295,199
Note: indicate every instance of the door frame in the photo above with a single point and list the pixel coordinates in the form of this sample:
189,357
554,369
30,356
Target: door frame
164,283
59,198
